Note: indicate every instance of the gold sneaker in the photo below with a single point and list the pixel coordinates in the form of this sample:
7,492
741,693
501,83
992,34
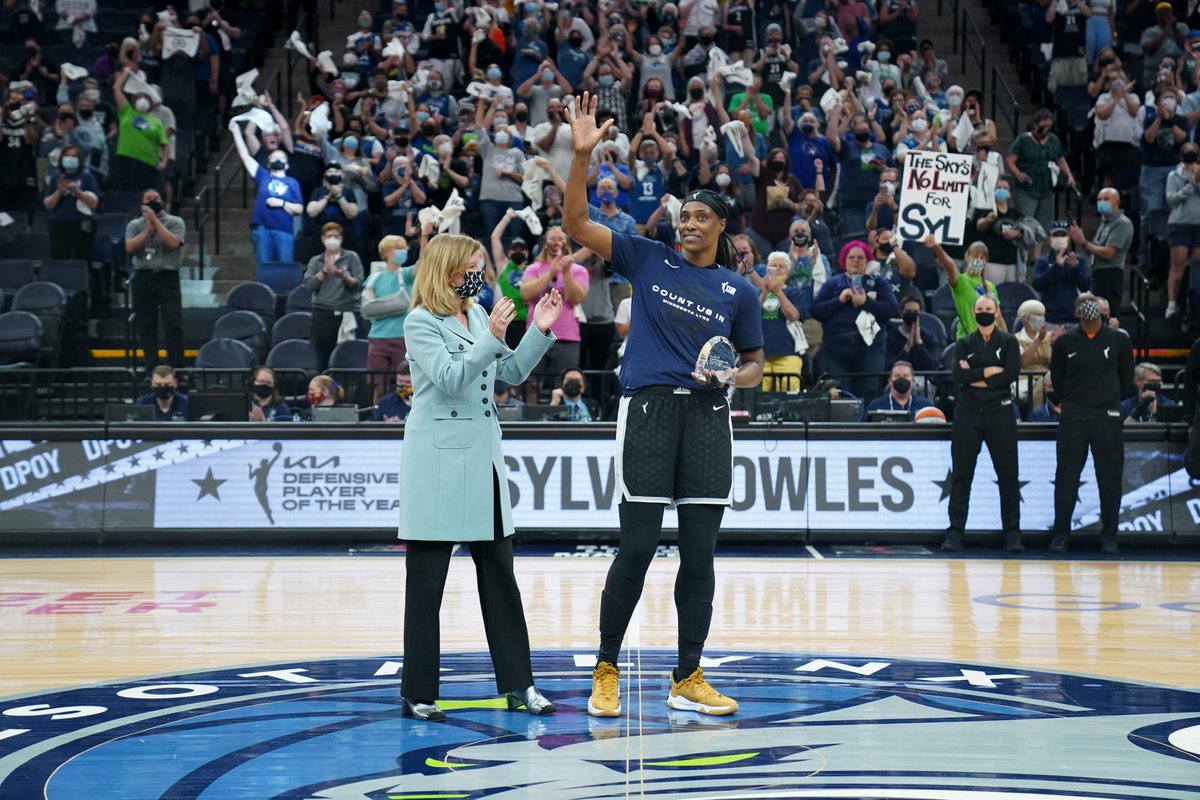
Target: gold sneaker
693,693
606,691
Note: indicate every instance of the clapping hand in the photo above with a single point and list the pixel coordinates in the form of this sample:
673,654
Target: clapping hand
502,314
547,310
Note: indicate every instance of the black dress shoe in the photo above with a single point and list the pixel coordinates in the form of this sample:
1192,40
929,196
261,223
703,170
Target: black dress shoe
533,700
1109,547
953,541
426,712
1012,542
1058,543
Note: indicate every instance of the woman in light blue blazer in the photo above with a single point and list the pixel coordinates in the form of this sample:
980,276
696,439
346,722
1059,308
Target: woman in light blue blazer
451,484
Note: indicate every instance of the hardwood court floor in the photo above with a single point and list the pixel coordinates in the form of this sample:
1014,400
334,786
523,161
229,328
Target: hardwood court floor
74,621
247,678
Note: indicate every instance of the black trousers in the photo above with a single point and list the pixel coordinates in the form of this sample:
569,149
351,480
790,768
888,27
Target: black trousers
426,565
138,176
323,334
974,426
1109,284
1106,438
156,297
72,239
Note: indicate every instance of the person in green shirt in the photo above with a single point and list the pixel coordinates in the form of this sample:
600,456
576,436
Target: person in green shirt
142,152
760,105
385,303
968,285
510,267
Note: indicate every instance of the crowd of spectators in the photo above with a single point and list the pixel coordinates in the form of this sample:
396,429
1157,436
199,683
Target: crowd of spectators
451,116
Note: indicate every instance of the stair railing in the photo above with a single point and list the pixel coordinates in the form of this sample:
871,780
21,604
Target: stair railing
973,43
1007,108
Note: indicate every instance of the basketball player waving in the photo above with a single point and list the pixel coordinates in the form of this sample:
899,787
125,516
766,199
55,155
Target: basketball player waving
674,440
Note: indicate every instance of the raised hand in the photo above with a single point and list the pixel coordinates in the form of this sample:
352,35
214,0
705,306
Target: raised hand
547,310
585,135
502,313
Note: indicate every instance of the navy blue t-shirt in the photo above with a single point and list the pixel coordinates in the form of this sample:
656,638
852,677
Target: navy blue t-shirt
677,308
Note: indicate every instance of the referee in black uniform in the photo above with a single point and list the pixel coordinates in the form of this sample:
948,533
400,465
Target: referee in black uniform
1091,366
985,365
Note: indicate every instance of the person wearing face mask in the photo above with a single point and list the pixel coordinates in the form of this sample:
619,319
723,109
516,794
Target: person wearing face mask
862,163
442,105
1164,132
1035,338
1028,161
154,242
335,278
511,265
545,86
1068,60
806,146
607,80
323,392
330,202
891,262
968,285
170,404
403,195
913,340
571,392
853,309
94,119
441,38
385,300
780,300
1061,275
503,170
655,64
1183,228
265,399
881,213
72,198
1000,231
456,351
900,395
1091,366
1050,411
773,60
776,201
1162,40
276,201
986,363
574,58
394,406
898,22
142,146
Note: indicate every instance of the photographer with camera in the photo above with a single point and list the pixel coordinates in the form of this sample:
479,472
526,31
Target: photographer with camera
1144,405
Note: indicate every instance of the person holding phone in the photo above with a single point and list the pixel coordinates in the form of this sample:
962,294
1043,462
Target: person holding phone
854,309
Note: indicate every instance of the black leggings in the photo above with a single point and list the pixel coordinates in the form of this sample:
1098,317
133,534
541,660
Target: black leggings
641,528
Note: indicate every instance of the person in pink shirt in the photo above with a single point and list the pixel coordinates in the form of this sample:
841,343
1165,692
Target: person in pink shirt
556,268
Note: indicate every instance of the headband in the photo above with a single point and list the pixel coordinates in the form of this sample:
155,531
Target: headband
710,199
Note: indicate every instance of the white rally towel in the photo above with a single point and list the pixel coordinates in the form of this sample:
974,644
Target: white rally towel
319,122
830,100
785,81
394,48
73,72
477,89
296,43
716,59
398,91
447,216
737,72
868,327
180,40
531,184
483,17
799,340
136,84
325,62
261,119
963,132
734,130
674,206
245,94
347,328
429,171
531,220
682,111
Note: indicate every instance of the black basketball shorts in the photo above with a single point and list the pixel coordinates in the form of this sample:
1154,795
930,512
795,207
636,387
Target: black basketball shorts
675,446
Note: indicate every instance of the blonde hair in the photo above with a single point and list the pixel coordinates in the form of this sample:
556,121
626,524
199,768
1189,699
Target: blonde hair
392,242
977,248
330,387
446,254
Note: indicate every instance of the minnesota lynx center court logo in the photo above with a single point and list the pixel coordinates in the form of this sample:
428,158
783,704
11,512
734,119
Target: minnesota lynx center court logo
809,726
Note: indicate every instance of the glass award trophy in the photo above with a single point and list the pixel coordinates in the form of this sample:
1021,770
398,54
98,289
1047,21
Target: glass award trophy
719,357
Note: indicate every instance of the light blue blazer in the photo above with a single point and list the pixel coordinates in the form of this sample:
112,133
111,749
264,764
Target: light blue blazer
452,435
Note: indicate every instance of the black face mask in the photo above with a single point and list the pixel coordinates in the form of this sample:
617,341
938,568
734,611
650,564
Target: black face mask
85,114
521,116
695,93
429,129
985,318
154,205
808,130
1053,397
162,392
779,166
1190,158
518,257
800,240
862,137
885,248
277,165
401,141
902,385
333,180
910,317
572,389
706,40
262,391
576,42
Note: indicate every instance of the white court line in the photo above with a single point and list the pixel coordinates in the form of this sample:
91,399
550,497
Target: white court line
812,551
